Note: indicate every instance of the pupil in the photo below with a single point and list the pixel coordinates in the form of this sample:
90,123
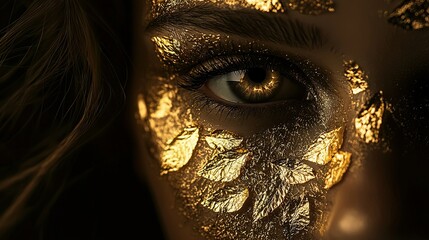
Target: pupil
256,75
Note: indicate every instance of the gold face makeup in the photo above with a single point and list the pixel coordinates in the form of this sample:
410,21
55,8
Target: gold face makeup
307,7
355,76
411,15
370,118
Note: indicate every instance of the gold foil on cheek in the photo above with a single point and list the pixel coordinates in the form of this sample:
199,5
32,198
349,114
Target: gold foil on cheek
227,158
356,77
299,219
223,140
269,197
179,150
370,119
325,147
142,108
300,173
167,48
226,200
337,168
225,166
411,15
311,7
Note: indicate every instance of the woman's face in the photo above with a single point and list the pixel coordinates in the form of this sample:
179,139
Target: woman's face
284,119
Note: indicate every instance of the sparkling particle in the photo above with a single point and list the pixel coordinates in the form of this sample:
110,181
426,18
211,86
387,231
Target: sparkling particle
179,150
370,119
325,147
226,200
337,168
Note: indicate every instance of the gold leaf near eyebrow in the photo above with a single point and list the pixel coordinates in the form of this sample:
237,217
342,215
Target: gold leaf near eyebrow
370,119
356,77
299,173
269,197
411,15
311,7
337,168
226,200
222,140
225,166
179,150
325,147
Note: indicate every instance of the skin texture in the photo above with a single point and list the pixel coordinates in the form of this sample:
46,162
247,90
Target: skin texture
380,196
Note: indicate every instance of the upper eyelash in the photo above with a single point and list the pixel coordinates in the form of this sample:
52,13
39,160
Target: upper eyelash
198,75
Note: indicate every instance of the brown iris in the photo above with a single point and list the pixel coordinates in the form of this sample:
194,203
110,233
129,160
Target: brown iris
256,85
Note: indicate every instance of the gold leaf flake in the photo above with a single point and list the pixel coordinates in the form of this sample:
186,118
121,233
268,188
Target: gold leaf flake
167,48
356,77
298,173
411,15
325,147
179,150
369,119
225,166
311,7
269,197
300,218
223,140
337,168
229,199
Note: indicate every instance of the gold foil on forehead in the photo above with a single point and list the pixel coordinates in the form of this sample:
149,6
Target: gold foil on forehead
226,200
369,120
337,168
356,77
167,49
311,7
325,147
179,150
222,140
142,108
269,197
411,15
225,166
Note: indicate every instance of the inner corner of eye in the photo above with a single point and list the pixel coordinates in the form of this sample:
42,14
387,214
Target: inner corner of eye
256,85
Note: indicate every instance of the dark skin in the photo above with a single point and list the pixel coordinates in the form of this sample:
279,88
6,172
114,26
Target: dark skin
382,196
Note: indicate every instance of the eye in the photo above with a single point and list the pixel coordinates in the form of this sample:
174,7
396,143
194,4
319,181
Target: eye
256,85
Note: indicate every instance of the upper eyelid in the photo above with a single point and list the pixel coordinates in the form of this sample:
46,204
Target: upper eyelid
255,25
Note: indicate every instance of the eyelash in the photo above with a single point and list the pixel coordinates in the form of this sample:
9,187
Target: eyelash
195,78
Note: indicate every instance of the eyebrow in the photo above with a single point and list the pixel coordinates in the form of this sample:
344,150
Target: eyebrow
256,25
